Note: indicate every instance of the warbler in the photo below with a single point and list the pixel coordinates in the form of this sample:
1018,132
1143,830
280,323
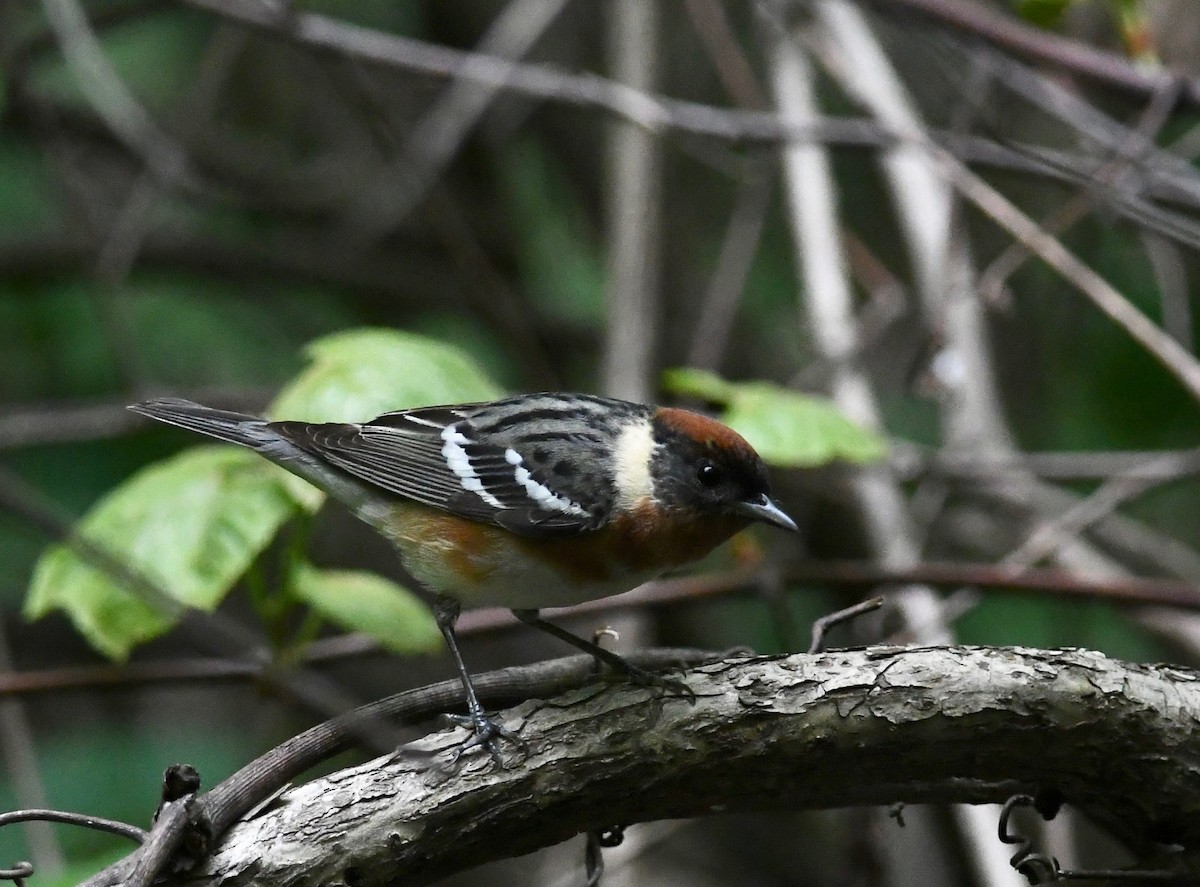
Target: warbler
537,500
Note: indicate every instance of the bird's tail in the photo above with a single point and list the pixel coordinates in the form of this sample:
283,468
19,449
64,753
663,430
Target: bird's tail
226,425
265,438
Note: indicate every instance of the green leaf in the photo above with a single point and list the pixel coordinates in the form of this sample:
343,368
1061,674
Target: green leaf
700,384
191,524
1043,13
358,374
367,602
787,428
794,430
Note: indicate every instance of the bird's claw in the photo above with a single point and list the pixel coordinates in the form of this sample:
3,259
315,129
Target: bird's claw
664,685
486,732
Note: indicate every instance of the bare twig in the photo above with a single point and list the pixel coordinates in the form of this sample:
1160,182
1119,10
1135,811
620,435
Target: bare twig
55,423
1045,46
24,773
651,111
1131,541
111,826
132,674
161,844
659,113
1090,124
108,94
434,141
821,626
737,75
1153,117
718,307
1123,590
1178,361
1120,590
1050,534
1170,273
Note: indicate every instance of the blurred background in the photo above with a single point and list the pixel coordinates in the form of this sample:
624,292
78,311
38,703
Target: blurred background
840,198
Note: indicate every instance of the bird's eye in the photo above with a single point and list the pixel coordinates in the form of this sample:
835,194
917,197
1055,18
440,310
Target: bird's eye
708,474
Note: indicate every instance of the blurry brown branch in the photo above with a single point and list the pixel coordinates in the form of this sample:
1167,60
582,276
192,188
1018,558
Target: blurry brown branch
1122,590
1119,590
911,463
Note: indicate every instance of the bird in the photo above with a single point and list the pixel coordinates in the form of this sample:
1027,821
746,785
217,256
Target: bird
531,501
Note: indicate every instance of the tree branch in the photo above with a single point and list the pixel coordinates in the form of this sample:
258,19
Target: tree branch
1040,45
872,726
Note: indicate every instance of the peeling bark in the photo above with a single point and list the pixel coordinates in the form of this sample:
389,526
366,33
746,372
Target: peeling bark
874,726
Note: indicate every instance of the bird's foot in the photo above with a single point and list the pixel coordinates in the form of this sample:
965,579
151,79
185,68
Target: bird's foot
665,686
487,732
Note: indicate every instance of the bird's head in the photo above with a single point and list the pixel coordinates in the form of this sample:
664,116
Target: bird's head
699,465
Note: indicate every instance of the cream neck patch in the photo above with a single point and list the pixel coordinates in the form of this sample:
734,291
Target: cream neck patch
631,464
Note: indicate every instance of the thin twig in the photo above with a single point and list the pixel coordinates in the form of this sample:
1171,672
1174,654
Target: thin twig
1042,45
718,306
1122,590
437,137
1107,498
910,462
55,423
1153,118
822,625
24,772
109,96
96,823
1171,276
737,75
1177,360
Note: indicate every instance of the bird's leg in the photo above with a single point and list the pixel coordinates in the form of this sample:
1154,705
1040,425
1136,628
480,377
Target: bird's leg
608,657
446,611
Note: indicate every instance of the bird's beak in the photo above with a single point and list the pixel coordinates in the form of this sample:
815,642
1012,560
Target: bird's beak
763,509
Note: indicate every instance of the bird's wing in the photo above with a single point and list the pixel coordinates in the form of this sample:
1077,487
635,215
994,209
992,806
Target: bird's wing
428,455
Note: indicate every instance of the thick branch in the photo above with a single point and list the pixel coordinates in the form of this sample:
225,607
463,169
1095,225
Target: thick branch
872,726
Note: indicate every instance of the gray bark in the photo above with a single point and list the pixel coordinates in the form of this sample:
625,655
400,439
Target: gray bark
874,726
